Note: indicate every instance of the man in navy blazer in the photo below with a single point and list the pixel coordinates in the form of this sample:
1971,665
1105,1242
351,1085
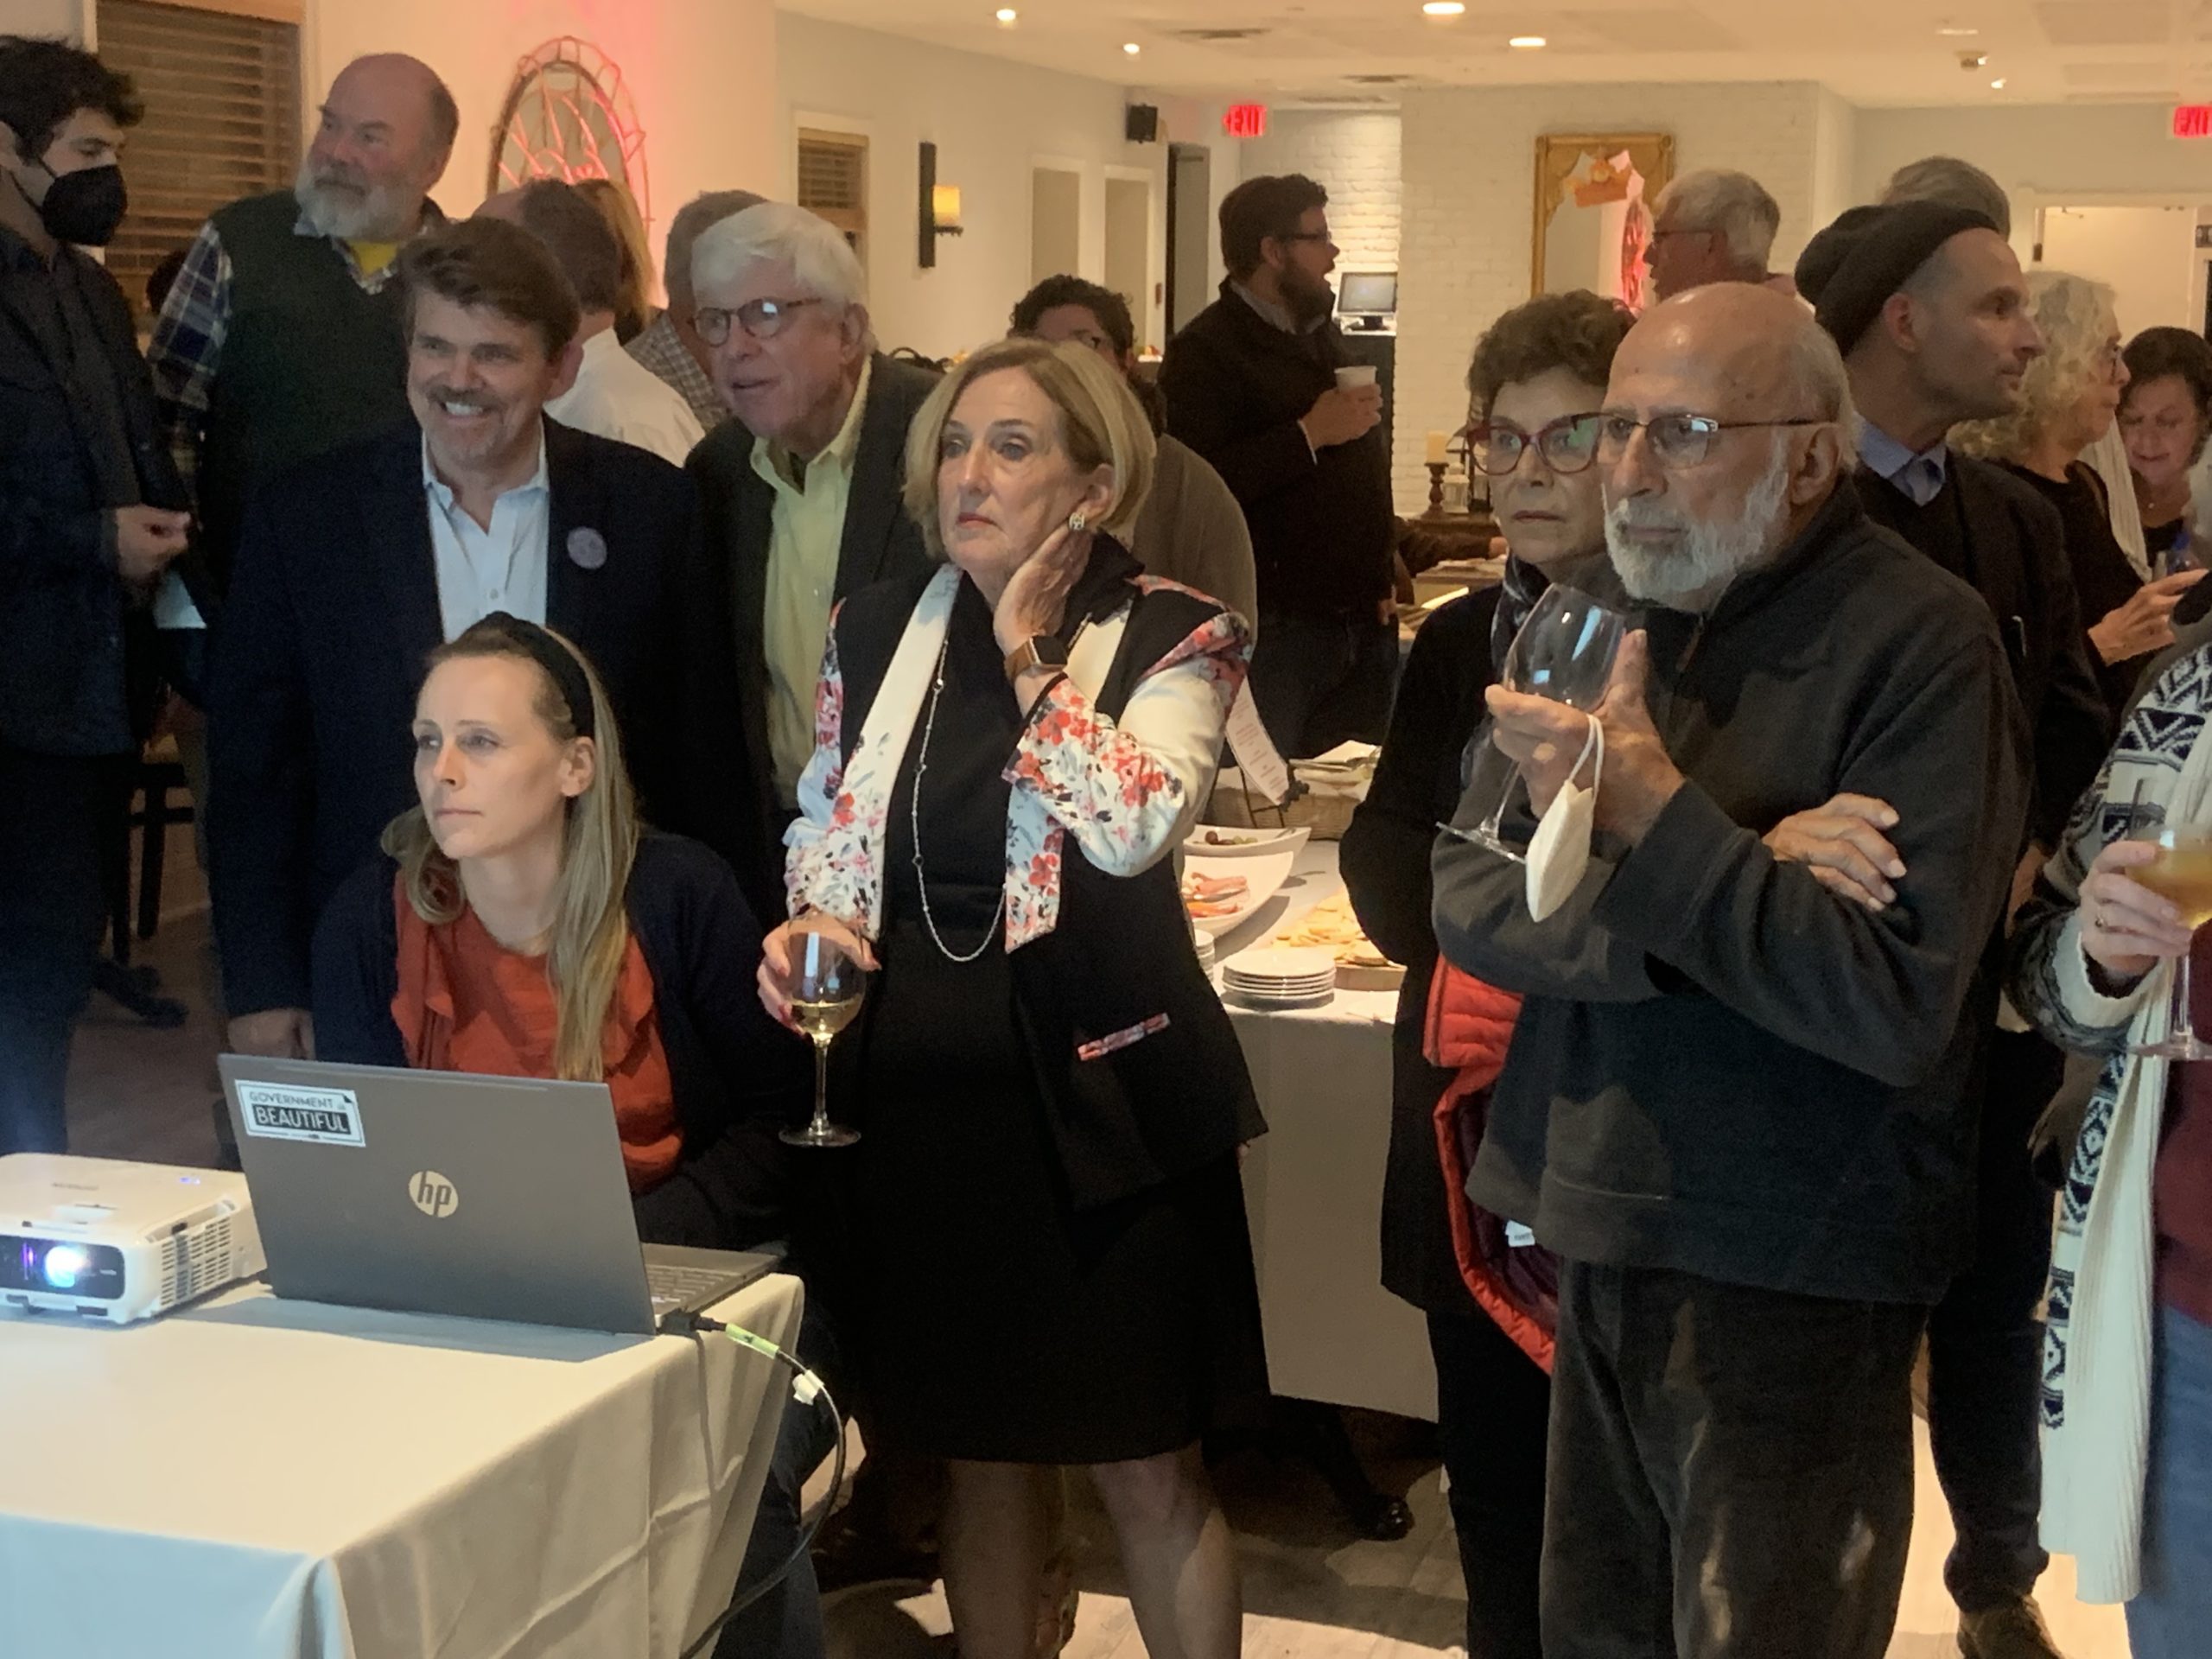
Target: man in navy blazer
353,568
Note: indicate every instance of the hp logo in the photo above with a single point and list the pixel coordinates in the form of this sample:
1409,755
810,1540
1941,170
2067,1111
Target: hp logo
433,1194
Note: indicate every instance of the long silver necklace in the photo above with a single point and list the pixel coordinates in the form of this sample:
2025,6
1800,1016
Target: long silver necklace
914,819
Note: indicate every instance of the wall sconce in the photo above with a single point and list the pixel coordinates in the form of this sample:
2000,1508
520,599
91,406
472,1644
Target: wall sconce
940,208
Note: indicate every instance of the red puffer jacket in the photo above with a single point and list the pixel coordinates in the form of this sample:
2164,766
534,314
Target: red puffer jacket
1469,1029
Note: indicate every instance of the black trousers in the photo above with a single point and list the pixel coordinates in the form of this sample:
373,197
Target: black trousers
1730,1470
53,814
1985,1345
1319,681
1492,1404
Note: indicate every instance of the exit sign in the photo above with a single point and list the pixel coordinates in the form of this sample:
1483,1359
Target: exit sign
2193,120
1249,121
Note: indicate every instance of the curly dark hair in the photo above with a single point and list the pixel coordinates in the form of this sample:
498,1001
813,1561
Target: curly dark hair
43,83
2157,352
1578,331
1111,310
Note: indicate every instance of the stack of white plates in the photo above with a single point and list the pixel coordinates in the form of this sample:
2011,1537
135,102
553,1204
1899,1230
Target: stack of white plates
1203,941
1282,977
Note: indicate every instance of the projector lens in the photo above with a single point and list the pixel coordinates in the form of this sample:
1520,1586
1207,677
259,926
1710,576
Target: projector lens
88,1272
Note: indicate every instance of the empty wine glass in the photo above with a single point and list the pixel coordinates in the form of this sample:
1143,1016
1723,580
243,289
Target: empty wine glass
2183,874
827,984
1564,651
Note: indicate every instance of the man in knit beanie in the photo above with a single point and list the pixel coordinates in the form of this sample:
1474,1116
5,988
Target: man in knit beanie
1928,303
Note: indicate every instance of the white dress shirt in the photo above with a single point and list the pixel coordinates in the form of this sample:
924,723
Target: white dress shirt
500,568
617,396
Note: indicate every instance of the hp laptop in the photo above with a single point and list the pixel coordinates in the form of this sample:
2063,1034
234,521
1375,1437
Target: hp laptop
442,1192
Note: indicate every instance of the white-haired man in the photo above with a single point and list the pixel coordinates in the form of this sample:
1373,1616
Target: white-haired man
1711,227
801,492
1739,1103
671,346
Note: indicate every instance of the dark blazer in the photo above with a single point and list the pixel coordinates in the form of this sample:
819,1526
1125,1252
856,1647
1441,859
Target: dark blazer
1323,525
332,607
738,1076
76,667
880,542
1128,1119
2014,555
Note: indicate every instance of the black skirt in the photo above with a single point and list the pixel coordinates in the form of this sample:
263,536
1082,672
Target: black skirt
999,1323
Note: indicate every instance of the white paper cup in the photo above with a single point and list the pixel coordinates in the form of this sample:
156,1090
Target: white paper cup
1353,376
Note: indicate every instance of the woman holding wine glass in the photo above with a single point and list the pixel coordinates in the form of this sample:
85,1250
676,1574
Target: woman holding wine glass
2112,956
1054,1263
1536,377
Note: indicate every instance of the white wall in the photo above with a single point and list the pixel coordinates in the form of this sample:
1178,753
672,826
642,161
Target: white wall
1356,156
707,114
2148,255
991,121
41,17
1836,146
1469,166
2070,151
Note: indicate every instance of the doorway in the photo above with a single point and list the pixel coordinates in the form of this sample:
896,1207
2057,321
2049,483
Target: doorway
2147,253
1129,248
1190,233
1055,222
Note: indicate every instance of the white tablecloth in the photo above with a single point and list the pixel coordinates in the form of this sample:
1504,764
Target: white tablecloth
1313,1184
256,1478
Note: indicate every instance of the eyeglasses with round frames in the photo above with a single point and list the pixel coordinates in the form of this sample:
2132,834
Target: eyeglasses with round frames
1569,444
1678,440
760,319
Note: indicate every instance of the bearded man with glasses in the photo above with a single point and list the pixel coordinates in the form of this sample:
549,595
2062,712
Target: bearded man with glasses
1737,1103
801,492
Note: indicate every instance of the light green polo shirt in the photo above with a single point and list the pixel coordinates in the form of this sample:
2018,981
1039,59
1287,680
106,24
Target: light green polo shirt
806,527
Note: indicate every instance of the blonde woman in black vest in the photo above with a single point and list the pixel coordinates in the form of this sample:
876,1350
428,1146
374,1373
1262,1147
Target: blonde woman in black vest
1055,1265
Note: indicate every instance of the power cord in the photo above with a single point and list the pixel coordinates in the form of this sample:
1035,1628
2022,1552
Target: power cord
809,1390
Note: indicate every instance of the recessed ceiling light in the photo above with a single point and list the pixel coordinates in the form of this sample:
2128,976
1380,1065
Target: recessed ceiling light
1527,42
1006,15
1998,84
1131,47
1951,32
1444,8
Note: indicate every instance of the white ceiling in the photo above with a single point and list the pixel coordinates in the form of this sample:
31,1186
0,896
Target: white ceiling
1873,52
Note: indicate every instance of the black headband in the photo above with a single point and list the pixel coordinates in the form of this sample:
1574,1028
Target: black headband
557,659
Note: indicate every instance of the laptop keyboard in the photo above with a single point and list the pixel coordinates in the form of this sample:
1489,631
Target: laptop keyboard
674,1286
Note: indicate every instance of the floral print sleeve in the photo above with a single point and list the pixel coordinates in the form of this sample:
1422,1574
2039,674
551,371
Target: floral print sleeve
1128,790
809,874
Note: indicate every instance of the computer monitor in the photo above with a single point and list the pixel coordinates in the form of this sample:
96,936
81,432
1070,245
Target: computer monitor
1367,293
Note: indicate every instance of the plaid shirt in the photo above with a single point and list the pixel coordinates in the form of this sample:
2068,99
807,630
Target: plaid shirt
188,345
661,349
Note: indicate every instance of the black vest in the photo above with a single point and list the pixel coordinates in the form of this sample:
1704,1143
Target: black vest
309,362
1121,954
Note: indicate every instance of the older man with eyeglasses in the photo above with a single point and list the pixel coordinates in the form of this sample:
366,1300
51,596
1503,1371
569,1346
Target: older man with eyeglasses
801,492
1739,1102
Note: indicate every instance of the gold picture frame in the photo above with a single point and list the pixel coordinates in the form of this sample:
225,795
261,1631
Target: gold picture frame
1559,153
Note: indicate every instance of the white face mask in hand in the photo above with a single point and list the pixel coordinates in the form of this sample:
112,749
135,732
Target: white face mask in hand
1559,851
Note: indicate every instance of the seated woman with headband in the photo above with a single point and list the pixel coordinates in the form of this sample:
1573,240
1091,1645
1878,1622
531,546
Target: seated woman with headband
521,923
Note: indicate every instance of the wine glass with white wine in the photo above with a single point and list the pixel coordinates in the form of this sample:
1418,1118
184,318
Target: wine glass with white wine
2181,873
827,984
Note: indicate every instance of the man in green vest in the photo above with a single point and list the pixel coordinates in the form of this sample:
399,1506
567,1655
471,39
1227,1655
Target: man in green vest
281,337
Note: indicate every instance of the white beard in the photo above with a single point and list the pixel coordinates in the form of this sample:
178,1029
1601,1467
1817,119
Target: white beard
1706,558
384,213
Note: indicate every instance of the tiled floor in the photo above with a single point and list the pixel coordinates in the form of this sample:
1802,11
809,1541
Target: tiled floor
1311,1591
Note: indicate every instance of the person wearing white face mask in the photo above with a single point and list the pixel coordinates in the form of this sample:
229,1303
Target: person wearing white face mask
1736,1104
1051,1262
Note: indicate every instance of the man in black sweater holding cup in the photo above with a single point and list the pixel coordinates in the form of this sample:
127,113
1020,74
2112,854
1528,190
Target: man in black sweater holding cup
1261,385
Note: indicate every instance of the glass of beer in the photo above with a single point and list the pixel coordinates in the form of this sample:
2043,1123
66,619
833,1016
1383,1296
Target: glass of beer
2181,873
826,989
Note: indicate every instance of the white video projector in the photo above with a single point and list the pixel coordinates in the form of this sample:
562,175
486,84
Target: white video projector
95,1238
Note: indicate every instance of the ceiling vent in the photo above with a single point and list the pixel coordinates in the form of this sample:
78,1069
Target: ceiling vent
1216,36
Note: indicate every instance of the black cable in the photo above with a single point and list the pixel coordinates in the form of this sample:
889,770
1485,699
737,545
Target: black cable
685,1323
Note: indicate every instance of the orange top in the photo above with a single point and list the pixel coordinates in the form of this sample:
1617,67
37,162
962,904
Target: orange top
467,1003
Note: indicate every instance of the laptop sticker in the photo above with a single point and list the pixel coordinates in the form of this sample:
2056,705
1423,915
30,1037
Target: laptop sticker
322,1117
